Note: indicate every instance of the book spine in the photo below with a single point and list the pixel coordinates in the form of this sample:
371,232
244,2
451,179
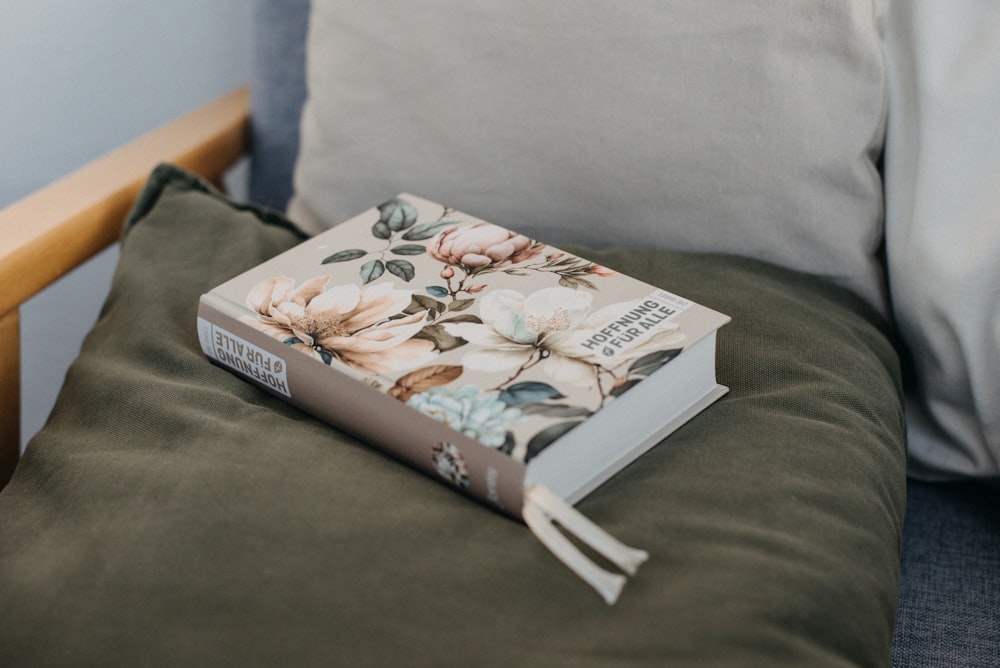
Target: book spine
369,414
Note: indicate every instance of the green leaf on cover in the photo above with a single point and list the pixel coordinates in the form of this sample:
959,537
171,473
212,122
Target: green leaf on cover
649,363
402,269
426,230
555,410
508,444
530,392
398,214
345,256
575,282
461,304
380,230
371,271
467,317
420,303
547,437
439,336
624,387
409,249
436,290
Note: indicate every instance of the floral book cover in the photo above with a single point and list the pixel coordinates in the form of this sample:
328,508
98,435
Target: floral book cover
459,345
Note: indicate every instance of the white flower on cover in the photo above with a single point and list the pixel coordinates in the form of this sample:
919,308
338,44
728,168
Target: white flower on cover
362,327
547,327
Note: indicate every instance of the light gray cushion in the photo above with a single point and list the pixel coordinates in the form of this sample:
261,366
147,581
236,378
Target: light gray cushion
943,229
747,127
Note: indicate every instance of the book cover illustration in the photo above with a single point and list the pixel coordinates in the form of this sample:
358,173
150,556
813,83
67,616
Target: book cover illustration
505,339
475,353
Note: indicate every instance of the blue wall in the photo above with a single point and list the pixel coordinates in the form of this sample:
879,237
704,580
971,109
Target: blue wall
78,79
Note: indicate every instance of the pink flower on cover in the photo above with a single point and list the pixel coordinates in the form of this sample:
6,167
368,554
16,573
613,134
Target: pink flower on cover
482,245
602,271
349,323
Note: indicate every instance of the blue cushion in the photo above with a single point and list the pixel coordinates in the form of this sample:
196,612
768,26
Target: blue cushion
278,90
949,595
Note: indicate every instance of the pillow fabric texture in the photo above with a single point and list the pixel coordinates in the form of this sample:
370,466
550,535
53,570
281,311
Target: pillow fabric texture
943,229
750,128
170,513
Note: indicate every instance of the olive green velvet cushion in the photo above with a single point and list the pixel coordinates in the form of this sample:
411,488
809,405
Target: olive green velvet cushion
172,514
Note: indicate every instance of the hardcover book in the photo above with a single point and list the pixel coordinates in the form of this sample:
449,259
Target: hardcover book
511,370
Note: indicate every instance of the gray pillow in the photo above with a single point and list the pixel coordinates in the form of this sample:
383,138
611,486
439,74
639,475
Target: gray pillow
943,229
744,127
172,514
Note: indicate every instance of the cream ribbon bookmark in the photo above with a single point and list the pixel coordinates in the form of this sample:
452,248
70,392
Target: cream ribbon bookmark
542,508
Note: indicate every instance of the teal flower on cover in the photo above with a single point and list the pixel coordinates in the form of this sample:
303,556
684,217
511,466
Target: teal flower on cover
470,411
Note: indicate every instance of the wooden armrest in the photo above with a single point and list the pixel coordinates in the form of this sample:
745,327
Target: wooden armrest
54,230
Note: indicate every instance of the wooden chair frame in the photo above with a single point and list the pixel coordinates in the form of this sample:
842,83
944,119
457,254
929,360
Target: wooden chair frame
54,230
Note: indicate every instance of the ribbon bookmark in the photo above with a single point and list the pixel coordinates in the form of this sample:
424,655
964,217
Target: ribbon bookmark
542,508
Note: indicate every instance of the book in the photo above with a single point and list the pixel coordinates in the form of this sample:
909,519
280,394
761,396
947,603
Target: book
516,372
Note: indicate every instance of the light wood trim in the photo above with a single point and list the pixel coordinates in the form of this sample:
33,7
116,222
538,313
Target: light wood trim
52,231
10,394
56,229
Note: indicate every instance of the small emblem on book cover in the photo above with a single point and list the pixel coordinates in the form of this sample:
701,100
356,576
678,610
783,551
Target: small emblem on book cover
450,464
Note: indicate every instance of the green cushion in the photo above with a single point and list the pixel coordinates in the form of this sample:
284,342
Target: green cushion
172,514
